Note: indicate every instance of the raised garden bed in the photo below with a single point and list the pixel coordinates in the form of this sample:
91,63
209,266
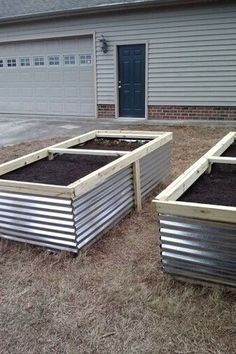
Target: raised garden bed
197,214
65,196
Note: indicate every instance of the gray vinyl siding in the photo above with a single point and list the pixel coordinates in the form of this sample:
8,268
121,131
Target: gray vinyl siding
191,51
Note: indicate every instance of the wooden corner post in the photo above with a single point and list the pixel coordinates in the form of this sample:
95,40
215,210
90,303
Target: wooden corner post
137,186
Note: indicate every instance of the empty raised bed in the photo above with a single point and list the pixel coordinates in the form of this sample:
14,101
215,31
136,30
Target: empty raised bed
197,214
65,196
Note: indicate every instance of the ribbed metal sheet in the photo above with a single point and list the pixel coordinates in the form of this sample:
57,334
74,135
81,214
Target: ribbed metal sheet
65,224
99,209
154,167
37,220
199,249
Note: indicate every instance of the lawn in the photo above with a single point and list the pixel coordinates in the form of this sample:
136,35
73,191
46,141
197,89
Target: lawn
113,298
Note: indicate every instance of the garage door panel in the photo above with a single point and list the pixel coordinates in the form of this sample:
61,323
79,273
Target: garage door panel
72,107
85,76
27,99
71,76
26,92
9,77
86,108
40,76
50,89
86,92
57,92
40,93
56,106
71,92
42,107
55,75
26,75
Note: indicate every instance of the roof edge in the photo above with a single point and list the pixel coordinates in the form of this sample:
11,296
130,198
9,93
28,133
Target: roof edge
101,9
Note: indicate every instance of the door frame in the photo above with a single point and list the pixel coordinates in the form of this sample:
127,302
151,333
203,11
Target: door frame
116,60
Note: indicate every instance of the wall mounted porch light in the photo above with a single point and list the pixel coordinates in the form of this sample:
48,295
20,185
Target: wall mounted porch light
103,44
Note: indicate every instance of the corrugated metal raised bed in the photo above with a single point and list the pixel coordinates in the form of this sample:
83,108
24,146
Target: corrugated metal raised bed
71,215
197,214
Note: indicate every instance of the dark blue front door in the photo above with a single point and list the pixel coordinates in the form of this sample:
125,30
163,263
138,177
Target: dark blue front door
131,80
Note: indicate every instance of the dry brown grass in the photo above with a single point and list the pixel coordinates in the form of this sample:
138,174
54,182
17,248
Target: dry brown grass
113,298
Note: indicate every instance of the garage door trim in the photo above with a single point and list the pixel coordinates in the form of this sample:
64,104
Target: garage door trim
61,35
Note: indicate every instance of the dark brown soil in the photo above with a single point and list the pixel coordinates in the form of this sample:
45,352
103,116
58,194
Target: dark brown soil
219,187
66,169
62,170
111,144
231,151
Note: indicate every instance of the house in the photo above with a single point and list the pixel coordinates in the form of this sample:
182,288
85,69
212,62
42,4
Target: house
153,59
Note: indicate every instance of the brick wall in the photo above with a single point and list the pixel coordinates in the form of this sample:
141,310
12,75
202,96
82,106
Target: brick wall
106,111
177,112
191,112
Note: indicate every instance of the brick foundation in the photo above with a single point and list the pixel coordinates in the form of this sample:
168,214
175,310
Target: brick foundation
191,112
177,112
106,111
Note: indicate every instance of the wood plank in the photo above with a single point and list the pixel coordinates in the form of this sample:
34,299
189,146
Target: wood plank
23,161
222,159
84,184
75,141
137,186
87,152
40,154
184,181
197,210
131,132
36,188
221,146
127,135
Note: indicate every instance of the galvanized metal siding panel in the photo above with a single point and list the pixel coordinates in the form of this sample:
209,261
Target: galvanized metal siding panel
198,249
37,220
191,50
154,167
102,207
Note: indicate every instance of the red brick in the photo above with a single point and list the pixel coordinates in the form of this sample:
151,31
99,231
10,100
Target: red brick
191,112
106,110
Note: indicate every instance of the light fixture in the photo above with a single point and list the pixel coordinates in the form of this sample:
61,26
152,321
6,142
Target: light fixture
103,44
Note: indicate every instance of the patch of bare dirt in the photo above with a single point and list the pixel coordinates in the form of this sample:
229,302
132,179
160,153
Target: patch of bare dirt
113,298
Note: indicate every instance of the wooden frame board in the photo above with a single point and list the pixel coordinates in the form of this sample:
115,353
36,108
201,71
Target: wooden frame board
166,202
84,184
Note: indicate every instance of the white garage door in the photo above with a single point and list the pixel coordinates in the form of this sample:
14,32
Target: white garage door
47,77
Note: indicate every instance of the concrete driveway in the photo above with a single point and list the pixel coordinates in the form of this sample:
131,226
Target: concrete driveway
15,129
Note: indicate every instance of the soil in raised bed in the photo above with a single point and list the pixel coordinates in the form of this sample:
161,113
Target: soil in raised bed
218,188
62,170
111,144
231,151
